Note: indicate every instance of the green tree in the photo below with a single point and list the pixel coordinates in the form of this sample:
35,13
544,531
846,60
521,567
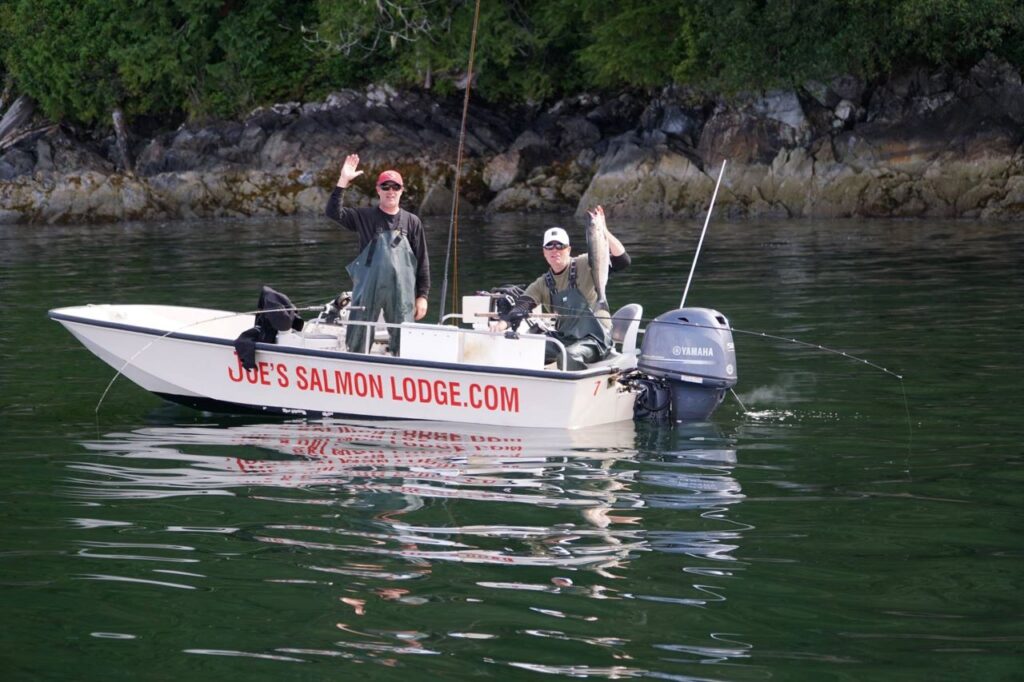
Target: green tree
631,43
745,44
257,56
423,42
201,57
53,48
80,60
960,32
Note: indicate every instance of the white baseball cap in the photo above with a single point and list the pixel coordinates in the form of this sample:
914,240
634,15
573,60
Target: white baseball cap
556,234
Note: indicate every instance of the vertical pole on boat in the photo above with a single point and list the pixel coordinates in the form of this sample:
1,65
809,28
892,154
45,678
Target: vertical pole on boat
707,219
453,225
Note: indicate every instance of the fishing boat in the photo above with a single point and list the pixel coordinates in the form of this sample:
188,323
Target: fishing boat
454,371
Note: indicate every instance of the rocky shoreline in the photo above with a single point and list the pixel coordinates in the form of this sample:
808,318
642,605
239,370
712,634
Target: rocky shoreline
925,144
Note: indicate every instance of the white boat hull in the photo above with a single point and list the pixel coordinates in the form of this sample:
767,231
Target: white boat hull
187,355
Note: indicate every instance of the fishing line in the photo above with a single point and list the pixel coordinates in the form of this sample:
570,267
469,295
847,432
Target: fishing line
910,428
742,406
816,346
766,335
192,324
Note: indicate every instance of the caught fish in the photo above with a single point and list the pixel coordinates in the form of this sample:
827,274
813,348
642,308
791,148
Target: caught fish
599,256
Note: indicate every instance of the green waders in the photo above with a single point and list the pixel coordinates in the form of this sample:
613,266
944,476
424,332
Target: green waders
383,279
585,338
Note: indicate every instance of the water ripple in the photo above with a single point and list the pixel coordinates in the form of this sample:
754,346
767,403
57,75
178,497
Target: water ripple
128,579
376,513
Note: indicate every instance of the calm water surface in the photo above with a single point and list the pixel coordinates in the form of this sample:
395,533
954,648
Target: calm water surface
845,525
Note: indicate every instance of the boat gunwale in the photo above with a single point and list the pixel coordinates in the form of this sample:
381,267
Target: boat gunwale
559,375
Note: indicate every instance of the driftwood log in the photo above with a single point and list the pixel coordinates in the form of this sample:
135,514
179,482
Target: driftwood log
17,116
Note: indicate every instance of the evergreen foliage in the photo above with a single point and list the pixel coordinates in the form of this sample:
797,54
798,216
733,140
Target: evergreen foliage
80,59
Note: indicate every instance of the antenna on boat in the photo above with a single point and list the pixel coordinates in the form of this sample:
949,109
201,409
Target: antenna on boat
453,225
707,219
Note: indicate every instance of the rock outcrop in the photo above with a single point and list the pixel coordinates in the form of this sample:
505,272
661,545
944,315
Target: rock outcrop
925,144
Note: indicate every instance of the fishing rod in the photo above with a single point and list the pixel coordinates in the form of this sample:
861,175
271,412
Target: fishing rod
453,225
707,219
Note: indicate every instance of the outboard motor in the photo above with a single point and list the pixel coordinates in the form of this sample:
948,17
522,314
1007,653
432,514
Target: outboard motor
691,349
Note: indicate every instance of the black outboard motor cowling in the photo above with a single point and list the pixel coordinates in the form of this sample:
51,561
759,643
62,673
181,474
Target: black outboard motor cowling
692,350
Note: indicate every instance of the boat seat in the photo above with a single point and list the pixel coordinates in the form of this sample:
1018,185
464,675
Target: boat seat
626,326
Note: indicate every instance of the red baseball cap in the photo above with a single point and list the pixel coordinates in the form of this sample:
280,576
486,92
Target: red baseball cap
390,175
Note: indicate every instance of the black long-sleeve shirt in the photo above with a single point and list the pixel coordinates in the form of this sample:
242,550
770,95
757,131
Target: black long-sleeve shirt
366,222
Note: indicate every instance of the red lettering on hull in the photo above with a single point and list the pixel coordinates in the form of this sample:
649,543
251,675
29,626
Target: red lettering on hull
420,390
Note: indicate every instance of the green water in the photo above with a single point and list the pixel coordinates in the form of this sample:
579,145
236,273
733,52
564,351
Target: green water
845,525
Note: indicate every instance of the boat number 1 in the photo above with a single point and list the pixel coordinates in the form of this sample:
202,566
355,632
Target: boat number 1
597,386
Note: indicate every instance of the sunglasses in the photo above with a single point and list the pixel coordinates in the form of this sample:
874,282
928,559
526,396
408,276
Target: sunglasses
390,186
555,246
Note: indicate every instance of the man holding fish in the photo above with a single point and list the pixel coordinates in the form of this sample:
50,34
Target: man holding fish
573,289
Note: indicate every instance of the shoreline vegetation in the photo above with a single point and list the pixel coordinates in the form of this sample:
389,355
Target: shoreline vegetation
112,111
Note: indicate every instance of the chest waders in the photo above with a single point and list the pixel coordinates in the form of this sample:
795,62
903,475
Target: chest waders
585,338
383,280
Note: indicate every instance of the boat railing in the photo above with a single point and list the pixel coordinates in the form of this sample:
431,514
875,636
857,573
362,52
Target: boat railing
481,332
459,316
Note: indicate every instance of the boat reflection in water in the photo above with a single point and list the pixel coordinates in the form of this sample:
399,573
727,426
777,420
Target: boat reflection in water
374,508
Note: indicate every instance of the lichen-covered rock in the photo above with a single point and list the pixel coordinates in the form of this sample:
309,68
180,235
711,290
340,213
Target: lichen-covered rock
636,181
923,144
501,171
437,201
15,163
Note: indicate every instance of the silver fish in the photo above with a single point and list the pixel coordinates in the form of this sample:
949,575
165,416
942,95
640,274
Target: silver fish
600,262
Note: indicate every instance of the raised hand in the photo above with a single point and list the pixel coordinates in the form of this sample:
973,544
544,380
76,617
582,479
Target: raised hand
348,170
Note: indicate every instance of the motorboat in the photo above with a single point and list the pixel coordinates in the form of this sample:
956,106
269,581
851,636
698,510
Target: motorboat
454,371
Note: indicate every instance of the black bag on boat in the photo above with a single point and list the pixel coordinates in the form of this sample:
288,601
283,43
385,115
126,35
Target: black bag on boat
277,314
505,297
512,304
